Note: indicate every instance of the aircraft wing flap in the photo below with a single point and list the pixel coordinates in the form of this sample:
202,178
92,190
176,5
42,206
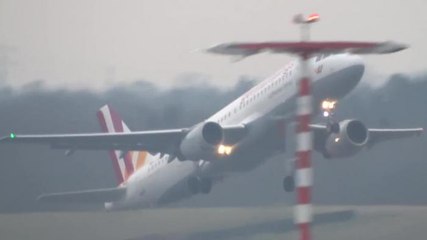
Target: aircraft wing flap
156,141
87,196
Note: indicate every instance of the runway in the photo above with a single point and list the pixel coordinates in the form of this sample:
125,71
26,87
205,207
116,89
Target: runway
338,222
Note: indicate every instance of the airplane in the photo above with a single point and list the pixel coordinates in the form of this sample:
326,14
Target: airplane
157,167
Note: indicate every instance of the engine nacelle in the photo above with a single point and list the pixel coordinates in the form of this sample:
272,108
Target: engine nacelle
201,142
351,138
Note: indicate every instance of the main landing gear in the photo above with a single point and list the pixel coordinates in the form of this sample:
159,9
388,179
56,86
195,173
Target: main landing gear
289,180
289,184
199,185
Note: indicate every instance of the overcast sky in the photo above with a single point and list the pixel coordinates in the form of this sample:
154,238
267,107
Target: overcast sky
93,43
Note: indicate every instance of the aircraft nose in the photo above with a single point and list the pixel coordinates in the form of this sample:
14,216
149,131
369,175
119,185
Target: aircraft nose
356,67
345,73
352,67
352,71
357,62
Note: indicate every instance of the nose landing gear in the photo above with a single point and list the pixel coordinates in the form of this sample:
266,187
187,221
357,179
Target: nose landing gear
328,107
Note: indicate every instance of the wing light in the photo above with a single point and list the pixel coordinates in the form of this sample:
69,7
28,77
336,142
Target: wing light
12,135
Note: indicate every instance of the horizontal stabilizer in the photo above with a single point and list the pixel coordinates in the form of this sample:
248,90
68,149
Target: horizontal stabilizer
87,196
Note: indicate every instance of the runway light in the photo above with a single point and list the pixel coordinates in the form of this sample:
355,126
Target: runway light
224,150
337,140
12,135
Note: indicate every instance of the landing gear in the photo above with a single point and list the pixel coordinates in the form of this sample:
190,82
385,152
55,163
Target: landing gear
193,185
205,185
289,184
328,108
289,181
199,185
333,127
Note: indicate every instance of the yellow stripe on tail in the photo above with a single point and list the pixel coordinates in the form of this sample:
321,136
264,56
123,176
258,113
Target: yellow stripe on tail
139,159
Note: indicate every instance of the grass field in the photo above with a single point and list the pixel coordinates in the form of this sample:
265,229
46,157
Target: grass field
372,222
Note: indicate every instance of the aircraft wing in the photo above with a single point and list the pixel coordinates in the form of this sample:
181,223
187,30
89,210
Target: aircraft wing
164,141
376,135
93,196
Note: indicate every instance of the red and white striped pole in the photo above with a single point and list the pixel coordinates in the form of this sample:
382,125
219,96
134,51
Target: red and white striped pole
305,49
304,171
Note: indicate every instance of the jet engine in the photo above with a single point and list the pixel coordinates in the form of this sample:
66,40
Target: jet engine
208,140
350,139
201,141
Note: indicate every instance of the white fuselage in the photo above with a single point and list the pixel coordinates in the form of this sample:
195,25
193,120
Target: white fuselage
160,182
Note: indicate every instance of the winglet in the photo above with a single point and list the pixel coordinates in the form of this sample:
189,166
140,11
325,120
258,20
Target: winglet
421,131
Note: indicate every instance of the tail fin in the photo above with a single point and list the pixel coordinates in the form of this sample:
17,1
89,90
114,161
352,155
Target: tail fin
124,163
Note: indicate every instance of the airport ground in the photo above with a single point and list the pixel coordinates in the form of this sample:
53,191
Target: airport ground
331,222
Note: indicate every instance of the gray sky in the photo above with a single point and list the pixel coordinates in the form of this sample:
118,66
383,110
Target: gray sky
93,43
